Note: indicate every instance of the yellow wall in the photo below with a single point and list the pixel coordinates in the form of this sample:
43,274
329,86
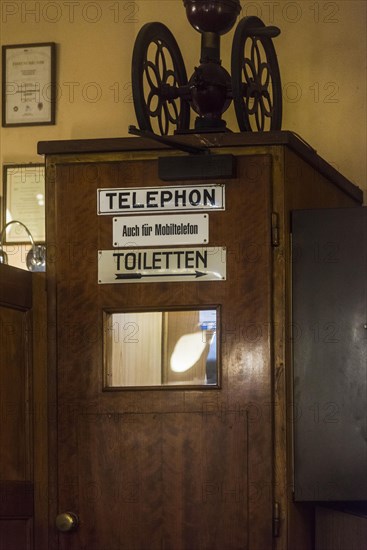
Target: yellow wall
321,51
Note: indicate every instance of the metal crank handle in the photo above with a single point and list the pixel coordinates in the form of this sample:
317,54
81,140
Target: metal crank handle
193,149
268,32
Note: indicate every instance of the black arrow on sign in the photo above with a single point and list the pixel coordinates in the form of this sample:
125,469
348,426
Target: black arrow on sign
127,276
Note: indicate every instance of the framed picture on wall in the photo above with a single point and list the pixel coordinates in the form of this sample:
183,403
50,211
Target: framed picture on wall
28,84
24,201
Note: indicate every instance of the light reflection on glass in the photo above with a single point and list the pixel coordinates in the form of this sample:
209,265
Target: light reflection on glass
161,348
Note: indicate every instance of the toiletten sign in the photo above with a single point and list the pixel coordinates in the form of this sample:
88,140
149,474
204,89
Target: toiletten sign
149,200
149,265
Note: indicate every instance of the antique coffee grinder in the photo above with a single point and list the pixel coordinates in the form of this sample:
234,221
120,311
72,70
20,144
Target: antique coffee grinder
164,96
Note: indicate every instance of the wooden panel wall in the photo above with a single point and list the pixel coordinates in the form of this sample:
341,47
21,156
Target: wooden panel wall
16,464
40,412
23,410
336,530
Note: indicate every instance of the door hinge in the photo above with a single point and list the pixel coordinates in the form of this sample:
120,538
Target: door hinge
275,228
276,519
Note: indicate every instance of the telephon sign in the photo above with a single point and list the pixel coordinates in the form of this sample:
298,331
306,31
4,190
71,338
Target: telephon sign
143,200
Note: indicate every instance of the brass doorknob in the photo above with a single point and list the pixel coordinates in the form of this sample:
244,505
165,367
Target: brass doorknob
67,522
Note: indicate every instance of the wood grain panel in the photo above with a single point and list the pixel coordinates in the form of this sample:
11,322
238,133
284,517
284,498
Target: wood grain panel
15,287
336,530
16,499
15,534
14,395
16,461
202,457
177,481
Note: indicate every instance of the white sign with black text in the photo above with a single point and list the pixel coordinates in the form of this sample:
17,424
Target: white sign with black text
151,265
167,229
148,200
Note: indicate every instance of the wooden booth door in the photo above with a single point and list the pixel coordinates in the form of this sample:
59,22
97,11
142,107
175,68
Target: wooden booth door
149,456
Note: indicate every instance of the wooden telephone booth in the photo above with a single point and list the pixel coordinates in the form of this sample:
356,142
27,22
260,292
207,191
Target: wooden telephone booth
149,453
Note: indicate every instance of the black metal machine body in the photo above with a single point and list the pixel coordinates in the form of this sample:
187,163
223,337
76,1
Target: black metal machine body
163,95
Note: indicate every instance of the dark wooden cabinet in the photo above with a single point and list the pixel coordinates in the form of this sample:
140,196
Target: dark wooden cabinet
183,468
